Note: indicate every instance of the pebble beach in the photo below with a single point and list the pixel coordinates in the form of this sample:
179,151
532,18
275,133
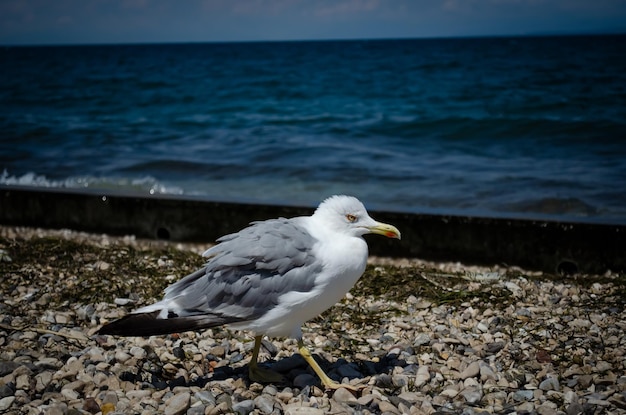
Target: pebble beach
415,337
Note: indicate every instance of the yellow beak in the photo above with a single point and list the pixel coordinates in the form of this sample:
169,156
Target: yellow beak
385,229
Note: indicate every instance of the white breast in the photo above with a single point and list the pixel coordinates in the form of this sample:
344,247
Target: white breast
344,259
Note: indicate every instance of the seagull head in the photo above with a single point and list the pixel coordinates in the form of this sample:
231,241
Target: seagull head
347,214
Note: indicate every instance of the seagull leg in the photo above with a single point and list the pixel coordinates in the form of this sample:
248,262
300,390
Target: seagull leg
261,374
326,381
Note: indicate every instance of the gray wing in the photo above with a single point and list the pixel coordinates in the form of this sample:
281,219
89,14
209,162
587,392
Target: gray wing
247,272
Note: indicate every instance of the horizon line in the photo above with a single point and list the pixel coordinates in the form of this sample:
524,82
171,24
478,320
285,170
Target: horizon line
347,39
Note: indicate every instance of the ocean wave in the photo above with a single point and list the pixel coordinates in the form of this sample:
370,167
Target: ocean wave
569,206
146,184
474,127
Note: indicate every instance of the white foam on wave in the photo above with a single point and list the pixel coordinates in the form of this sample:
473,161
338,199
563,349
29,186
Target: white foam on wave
146,184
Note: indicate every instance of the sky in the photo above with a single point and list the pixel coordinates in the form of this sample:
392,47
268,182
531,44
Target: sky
148,21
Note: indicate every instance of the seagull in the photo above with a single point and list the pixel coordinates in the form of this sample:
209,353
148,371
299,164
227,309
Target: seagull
269,278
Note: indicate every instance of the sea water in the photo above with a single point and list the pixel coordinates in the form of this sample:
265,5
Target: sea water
507,127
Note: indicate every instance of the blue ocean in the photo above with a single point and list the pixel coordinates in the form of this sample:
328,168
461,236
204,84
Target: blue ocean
519,127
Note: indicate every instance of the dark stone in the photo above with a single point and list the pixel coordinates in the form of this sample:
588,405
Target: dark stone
179,381
8,367
179,353
128,376
90,405
7,390
493,348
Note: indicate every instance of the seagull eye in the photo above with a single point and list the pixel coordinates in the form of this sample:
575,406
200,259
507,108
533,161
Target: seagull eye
351,218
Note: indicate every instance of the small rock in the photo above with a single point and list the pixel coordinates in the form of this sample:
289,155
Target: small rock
244,407
410,397
22,381
570,396
102,265
344,396
493,348
472,394
422,376
543,356
384,381
486,373
449,393
421,339
220,408
598,402
137,395
61,319
110,397
264,404
423,304
4,256
603,366
270,390
49,363
284,396
77,385
483,326
387,407
85,312
575,408
179,353
511,286
365,400
523,395
572,371
549,384
8,367
42,380
206,397
470,371
196,410
297,409
585,380
123,301
177,404
6,402
138,352
121,356
70,394
619,400
57,409
90,405
546,409
269,347
400,380
218,351
107,408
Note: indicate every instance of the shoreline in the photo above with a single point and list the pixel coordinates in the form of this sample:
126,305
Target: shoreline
540,245
419,336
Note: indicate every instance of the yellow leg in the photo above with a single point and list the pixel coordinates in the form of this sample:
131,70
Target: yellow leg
326,381
260,374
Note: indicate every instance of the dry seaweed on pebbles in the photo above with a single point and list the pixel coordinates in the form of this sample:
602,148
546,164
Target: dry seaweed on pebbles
420,337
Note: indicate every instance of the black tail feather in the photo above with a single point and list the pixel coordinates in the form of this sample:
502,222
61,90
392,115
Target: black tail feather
147,324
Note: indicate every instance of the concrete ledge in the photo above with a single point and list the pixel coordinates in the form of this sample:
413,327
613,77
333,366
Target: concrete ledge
555,247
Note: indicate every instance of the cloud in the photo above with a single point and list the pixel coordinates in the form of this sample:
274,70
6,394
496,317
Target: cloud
64,20
68,21
492,6
344,7
262,7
